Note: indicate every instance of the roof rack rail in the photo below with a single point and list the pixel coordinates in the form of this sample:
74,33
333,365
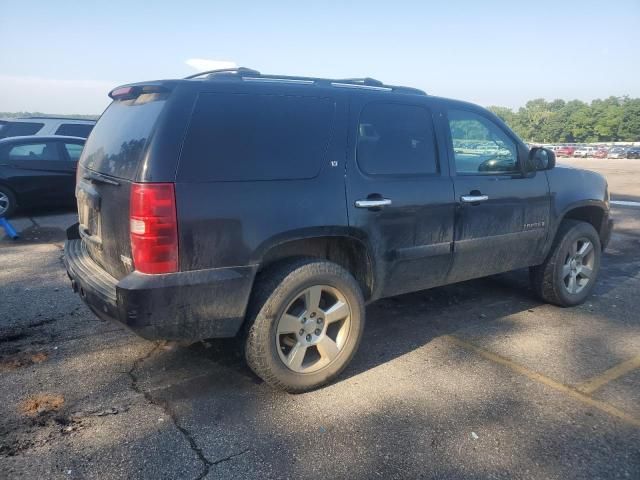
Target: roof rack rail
251,75
236,70
372,82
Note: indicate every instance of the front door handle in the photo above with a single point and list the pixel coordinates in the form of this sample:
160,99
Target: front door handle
474,198
373,203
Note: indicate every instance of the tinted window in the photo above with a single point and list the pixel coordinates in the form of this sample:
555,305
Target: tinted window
74,150
256,137
74,130
396,139
119,138
480,146
35,151
19,129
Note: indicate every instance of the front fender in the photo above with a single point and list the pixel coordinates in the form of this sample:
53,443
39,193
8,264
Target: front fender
571,189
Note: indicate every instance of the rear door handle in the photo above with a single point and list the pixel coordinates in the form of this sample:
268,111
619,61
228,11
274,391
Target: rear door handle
381,202
474,198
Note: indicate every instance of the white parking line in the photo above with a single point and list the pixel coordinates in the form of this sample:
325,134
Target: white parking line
625,203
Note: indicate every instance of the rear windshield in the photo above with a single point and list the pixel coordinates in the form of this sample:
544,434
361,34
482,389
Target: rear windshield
117,143
20,129
247,137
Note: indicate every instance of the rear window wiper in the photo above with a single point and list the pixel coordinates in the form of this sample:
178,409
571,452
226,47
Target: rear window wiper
98,178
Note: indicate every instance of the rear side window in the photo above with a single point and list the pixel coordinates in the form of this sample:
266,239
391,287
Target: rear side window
118,140
35,151
74,130
242,137
73,150
395,139
19,129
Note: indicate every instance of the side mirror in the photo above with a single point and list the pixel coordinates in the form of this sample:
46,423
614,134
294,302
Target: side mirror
542,158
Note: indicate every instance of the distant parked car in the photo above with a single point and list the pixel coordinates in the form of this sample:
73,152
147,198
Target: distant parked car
71,127
565,151
38,170
584,152
633,152
617,152
601,153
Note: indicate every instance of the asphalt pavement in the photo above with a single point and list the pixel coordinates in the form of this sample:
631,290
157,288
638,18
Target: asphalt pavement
474,380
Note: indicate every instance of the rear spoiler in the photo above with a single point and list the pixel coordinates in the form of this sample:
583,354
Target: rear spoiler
127,92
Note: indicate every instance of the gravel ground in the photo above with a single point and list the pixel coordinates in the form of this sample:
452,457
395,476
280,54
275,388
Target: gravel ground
474,380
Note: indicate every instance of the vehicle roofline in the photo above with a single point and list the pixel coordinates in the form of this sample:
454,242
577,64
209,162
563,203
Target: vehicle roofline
326,84
40,138
70,119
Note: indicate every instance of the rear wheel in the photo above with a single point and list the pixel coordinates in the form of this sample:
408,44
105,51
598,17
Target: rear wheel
305,323
7,202
568,275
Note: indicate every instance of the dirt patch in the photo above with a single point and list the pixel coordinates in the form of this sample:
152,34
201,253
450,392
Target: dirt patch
21,359
41,404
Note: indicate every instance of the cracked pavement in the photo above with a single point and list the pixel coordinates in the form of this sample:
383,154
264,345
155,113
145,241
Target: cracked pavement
503,399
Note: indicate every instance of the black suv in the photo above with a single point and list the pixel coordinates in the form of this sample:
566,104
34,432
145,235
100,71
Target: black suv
275,207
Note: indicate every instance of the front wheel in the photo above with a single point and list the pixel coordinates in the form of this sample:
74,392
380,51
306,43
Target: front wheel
569,273
305,322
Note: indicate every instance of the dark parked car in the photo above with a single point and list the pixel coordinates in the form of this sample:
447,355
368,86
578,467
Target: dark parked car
273,207
633,152
37,171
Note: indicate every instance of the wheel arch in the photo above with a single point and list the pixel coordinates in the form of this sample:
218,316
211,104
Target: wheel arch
594,212
342,246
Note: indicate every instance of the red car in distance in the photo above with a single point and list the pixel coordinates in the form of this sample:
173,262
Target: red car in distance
601,153
565,151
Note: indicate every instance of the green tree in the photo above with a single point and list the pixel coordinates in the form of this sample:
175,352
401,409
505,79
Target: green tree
603,120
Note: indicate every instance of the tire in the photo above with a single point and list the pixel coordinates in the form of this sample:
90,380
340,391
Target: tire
283,344
567,276
8,202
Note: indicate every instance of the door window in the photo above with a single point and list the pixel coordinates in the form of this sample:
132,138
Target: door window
395,139
74,150
35,151
74,129
480,146
19,129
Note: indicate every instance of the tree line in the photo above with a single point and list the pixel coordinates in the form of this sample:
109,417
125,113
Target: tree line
614,119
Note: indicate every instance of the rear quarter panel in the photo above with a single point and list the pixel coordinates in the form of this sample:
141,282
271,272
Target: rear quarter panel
233,223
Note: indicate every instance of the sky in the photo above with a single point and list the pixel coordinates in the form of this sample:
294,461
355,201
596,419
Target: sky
65,56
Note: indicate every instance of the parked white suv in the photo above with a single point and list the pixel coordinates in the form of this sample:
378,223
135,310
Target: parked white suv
585,152
20,127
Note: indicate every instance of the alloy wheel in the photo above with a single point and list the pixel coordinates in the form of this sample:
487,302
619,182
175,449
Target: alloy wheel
313,329
4,203
577,269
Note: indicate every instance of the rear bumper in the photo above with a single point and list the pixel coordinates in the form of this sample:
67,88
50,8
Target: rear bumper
186,306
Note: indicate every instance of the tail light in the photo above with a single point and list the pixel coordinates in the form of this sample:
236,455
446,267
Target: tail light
153,227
